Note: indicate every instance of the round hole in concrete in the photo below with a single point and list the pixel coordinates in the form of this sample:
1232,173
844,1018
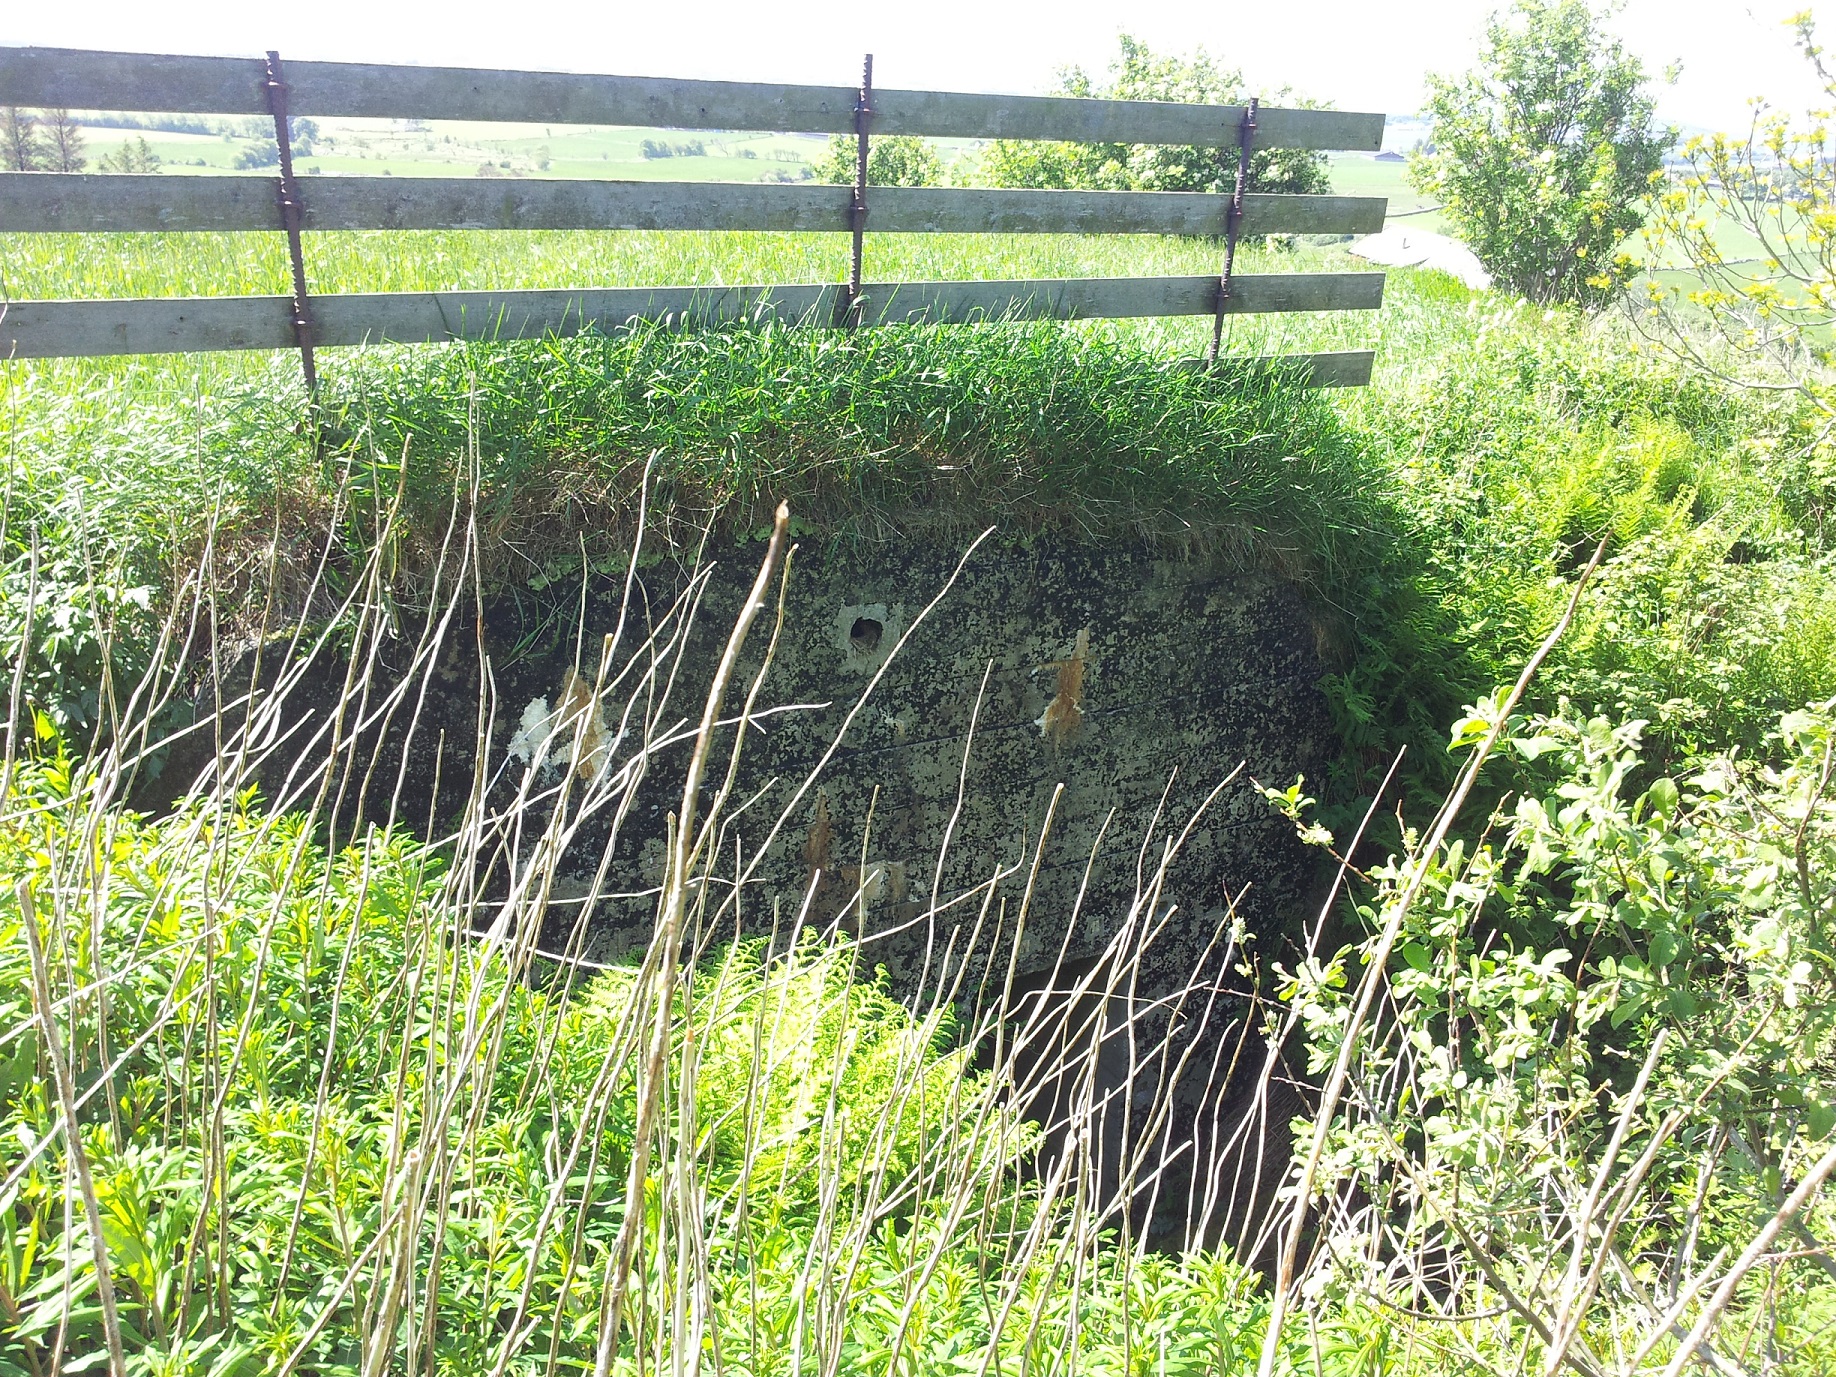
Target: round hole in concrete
865,635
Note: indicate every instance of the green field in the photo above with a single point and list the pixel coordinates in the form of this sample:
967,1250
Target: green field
88,266
91,266
1363,174
412,148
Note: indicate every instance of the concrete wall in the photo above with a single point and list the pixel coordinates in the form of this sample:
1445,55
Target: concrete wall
1135,681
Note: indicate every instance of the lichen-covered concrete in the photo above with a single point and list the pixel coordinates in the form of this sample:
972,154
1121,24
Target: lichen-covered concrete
1135,682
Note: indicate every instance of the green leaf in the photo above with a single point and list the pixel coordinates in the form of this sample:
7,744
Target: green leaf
1622,1013
1819,1117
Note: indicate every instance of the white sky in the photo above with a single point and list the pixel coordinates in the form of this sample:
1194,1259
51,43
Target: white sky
1360,54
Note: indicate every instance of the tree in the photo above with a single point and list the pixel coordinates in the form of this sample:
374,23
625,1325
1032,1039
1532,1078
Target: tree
1139,74
63,142
896,160
133,156
261,153
20,149
1775,187
1543,154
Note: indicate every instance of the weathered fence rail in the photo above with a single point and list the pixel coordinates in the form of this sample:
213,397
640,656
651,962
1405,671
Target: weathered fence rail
164,326
33,202
79,79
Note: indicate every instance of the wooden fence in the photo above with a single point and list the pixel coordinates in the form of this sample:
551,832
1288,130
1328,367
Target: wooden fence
74,79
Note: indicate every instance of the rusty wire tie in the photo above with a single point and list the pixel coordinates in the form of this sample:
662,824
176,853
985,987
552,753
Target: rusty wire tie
1246,136
291,211
852,305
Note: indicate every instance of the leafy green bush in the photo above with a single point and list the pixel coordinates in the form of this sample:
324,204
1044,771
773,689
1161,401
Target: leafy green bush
1544,153
1527,439
892,160
1607,1066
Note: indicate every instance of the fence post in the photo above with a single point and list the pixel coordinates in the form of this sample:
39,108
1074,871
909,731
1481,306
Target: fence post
1245,137
863,116
290,209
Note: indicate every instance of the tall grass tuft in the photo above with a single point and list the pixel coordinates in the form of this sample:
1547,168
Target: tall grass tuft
875,435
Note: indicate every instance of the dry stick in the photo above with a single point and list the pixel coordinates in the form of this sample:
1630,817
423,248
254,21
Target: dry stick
1482,1260
667,936
1608,1250
19,668
1578,1291
1379,960
709,839
1686,1247
1755,1251
1259,1113
1160,1109
79,1159
1814,1248
487,1023
323,1318
1668,1319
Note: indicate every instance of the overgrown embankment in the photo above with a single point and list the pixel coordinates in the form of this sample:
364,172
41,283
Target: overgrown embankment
1435,520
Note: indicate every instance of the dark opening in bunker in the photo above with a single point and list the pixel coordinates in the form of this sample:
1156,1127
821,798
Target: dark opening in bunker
865,635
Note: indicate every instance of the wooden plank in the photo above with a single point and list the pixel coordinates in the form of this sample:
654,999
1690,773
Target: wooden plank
49,329
33,202
1118,298
86,202
156,325
1340,368
79,79
1269,214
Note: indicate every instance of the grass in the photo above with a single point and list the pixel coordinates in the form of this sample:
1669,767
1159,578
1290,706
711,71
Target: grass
1435,515
1034,426
410,1106
1082,428
448,148
1362,174
334,1133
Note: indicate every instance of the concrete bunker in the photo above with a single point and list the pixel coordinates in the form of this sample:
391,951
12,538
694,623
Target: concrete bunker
1128,696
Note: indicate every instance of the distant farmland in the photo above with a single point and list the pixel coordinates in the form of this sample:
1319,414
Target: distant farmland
405,148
